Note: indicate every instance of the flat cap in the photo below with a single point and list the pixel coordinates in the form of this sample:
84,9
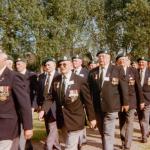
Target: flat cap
102,52
120,55
76,57
21,59
64,58
142,58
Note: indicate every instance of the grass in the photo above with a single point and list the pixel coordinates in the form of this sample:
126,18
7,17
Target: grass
39,129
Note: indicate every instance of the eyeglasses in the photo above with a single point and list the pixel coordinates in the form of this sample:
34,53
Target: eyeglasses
62,64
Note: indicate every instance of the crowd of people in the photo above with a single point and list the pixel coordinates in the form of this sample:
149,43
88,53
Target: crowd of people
68,96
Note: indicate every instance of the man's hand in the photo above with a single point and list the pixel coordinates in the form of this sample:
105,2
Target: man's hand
142,106
28,134
41,115
125,108
92,124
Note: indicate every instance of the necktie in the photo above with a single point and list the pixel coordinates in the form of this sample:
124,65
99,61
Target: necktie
62,90
101,76
47,86
142,77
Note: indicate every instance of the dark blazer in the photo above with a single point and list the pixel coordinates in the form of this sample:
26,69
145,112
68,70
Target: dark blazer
30,79
112,95
134,87
69,111
47,103
146,87
40,93
84,73
17,98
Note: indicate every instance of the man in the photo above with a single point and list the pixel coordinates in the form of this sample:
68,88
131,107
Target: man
48,107
110,95
136,100
12,96
30,79
144,114
83,72
71,92
77,67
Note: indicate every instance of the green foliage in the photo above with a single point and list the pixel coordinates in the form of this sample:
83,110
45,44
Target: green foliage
57,27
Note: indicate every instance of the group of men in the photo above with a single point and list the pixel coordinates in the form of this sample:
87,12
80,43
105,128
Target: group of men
68,96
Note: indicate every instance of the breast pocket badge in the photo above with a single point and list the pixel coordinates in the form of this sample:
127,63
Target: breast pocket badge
4,93
73,94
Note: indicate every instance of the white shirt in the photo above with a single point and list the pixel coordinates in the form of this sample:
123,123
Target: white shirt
142,76
24,71
50,79
104,72
67,79
77,71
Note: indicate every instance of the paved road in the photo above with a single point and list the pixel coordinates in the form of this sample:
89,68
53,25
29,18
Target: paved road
94,141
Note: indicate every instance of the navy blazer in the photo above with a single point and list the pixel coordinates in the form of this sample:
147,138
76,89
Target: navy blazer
146,87
70,111
17,98
114,92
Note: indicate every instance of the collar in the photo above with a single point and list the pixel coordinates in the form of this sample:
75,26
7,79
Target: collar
52,73
68,75
2,70
24,71
78,69
105,67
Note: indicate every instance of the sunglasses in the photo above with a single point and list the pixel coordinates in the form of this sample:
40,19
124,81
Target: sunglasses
62,64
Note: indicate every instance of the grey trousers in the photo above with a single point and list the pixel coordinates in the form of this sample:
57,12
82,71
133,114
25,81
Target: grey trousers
144,116
53,138
5,144
71,139
126,120
106,126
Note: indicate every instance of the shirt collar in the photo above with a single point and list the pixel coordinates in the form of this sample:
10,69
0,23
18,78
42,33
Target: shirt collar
68,75
24,71
78,69
2,70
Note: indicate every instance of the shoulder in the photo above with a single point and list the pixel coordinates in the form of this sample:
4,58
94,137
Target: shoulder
94,70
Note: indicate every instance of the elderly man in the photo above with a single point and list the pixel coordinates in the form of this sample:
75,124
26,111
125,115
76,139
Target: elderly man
48,107
30,79
144,114
110,95
71,92
12,96
136,100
